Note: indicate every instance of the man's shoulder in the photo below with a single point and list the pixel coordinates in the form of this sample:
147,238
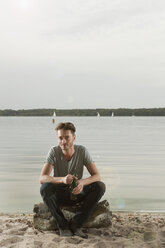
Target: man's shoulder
55,149
80,147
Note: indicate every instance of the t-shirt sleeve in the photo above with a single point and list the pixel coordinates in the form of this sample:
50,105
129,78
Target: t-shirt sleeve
50,158
87,157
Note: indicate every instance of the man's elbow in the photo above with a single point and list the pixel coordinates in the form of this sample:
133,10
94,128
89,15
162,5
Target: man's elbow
98,177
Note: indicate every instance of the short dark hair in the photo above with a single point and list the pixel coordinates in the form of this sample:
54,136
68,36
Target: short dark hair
66,126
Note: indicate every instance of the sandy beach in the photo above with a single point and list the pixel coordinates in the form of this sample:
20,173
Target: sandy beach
127,230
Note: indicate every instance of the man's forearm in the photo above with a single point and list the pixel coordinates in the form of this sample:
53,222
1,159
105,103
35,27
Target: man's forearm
90,179
50,179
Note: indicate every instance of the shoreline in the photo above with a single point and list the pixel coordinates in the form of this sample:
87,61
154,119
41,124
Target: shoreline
128,229
113,211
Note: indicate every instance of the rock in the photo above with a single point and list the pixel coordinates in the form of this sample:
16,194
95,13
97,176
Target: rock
43,220
149,236
100,244
162,233
50,245
74,240
11,240
38,244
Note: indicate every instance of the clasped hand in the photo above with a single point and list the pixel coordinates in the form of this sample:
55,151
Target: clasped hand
69,179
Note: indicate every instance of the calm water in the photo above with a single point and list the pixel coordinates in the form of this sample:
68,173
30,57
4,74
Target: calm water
128,151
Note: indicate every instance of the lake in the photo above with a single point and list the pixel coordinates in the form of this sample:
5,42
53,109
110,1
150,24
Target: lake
128,151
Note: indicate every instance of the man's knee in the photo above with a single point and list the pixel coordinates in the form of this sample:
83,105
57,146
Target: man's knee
99,187
46,189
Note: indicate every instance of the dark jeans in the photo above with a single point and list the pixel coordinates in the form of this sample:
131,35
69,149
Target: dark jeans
56,195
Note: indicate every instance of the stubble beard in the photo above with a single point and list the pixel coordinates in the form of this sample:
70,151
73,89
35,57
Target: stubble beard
67,147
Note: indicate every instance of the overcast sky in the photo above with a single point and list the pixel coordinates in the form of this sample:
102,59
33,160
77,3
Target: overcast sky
82,54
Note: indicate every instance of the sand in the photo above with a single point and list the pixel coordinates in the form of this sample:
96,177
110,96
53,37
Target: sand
127,230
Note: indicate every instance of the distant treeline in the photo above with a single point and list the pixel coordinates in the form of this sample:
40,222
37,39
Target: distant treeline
85,112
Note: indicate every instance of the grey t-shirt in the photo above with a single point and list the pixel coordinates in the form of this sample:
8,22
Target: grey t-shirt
62,167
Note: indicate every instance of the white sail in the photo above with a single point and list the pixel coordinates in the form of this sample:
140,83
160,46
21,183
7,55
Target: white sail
53,117
112,114
98,115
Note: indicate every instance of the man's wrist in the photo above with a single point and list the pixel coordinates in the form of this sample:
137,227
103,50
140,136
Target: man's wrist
81,181
62,180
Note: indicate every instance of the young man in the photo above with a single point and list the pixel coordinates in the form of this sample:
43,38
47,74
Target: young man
68,159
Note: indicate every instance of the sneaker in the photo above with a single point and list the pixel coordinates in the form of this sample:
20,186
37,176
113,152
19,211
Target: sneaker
77,231
80,233
65,232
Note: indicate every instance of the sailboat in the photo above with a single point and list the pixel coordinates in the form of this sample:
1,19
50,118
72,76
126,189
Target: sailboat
98,115
53,117
112,114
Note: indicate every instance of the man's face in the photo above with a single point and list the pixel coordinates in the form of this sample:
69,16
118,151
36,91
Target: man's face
65,139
